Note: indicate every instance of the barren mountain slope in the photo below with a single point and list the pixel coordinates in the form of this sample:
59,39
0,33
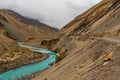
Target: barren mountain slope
28,20
90,56
19,30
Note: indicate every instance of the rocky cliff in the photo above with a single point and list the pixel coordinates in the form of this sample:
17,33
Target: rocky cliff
91,44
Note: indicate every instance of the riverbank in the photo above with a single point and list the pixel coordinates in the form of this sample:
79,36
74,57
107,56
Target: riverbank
24,72
20,59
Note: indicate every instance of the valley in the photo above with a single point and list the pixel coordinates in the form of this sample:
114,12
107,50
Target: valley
13,30
87,48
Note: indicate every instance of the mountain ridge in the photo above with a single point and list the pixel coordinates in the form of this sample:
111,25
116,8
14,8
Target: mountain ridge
27,20
22,30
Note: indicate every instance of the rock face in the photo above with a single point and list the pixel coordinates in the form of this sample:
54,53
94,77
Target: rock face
88,39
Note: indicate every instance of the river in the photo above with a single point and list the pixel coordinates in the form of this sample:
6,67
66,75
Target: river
22,73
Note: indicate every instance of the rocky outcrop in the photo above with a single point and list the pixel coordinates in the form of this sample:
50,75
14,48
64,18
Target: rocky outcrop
49,43
59,57
88,57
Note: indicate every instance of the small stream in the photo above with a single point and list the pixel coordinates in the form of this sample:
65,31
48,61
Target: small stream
24,72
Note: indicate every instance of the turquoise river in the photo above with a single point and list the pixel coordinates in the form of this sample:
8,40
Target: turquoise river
22,73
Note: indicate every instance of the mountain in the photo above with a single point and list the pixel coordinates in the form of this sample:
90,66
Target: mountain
21,29
90,44
27,20
14,28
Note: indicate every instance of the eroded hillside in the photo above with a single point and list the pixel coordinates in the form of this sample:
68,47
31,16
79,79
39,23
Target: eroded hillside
91,45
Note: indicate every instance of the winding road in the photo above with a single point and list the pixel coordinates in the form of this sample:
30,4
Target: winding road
113,40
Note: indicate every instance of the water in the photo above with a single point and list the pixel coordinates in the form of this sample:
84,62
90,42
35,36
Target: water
27,70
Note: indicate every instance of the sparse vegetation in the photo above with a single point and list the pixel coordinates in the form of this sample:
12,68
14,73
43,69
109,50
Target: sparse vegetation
56,50
19,56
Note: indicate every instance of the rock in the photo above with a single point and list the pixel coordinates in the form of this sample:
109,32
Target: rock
59,57
108,56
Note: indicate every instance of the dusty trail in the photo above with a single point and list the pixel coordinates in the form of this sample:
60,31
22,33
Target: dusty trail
113,40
